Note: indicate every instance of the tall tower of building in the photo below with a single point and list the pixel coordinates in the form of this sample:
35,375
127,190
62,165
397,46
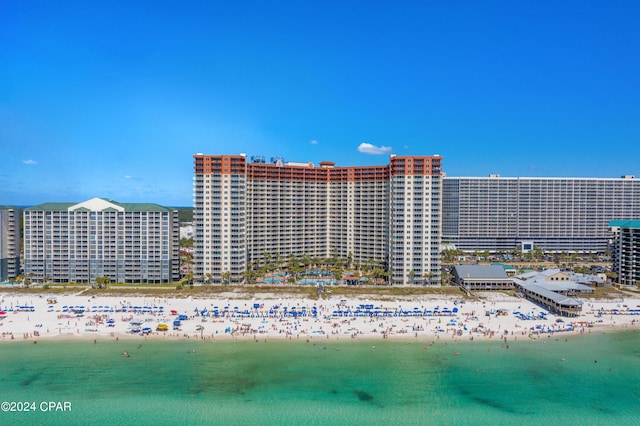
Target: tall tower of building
625,251
10,235
265,211
414,240
219,217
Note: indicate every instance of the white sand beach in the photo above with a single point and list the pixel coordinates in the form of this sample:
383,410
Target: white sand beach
497,316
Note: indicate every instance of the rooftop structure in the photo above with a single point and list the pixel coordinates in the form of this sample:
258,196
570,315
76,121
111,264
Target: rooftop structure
482,277
552,289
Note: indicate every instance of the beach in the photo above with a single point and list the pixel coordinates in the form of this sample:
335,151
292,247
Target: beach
495,316
425,360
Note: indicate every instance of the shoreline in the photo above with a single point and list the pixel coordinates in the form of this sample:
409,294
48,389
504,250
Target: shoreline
424,319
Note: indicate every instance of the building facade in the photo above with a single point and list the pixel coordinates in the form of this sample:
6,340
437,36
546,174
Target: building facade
129,243
10,236
625,251
555,214
246,213
482,277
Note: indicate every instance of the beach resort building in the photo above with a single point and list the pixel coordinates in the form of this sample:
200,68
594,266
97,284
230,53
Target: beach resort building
554,290
248,212
10,235
482,277
79,242
625,251
555,214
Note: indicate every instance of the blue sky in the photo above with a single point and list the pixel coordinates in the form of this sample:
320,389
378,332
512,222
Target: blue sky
112,99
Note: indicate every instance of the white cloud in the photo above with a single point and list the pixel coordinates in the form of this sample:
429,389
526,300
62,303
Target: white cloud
127,177
30,162
314,142
367,148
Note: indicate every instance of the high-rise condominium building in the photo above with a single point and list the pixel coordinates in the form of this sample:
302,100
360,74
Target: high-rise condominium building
555,214
625,251
246,212
129,243
10,234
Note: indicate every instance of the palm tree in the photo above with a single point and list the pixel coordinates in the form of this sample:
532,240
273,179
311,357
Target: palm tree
412,275
249,273
446,277
306,261
295,268
248,276
226,276
189,278
279,261
29,280
379,273
266,258
357,265
316,261
538,254
427,277
334,259
102,282
337,273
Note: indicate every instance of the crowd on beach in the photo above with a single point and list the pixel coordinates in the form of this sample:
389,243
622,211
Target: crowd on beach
496,316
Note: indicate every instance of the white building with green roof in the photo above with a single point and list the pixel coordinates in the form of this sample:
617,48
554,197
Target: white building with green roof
79,242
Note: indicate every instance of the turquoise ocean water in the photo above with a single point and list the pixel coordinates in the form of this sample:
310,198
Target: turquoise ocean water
592,379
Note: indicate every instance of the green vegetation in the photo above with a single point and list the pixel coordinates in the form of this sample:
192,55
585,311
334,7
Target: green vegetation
102,282
176,290
185,214
604,293
378,292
